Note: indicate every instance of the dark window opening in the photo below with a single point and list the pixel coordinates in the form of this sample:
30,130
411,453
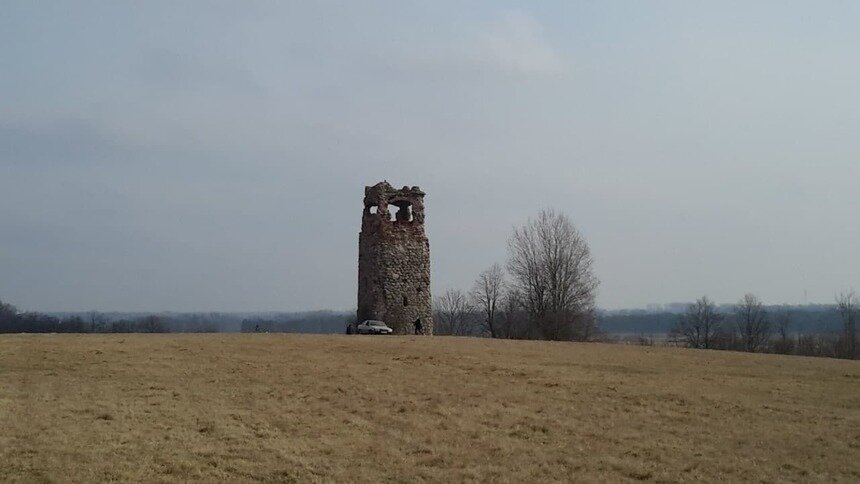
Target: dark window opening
405,301
404,211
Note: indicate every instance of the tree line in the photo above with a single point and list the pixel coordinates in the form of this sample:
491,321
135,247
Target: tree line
12,321
805,319
323,321
751,327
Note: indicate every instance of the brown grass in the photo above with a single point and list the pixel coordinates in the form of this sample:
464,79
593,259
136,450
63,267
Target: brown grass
276,407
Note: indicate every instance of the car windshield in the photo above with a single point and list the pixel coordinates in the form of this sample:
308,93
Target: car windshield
376,323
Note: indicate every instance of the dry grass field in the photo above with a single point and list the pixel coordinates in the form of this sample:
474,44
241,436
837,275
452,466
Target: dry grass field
276,407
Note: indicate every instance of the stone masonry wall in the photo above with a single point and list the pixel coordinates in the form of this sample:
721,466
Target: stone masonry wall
394,259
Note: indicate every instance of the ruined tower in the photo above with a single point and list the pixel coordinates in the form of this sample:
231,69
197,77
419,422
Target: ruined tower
394,259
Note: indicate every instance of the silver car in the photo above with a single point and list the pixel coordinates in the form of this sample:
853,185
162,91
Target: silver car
372,326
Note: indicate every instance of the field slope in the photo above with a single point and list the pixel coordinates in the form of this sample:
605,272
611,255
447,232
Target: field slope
275,407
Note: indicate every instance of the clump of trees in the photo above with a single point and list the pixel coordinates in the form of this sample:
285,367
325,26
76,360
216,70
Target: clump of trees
750,327
547,293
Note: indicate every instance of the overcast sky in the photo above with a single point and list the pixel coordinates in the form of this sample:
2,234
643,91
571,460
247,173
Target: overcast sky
212,156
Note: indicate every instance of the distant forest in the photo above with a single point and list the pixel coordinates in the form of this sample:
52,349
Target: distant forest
324,322
807,319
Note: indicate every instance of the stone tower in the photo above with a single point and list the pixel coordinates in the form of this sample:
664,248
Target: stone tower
394,259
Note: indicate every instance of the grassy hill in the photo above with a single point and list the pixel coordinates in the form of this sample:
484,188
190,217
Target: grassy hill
277,407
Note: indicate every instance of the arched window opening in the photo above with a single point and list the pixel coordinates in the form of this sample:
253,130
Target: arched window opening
374,209
405,301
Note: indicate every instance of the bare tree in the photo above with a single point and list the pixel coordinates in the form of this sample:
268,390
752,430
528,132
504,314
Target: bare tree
97,322
8,318
512,321
486,294
848,305
8,312
752,323
782,321
454,315
700,325
551,267
152,324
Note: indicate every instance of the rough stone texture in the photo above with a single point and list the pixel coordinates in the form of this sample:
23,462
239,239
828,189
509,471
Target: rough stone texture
394,259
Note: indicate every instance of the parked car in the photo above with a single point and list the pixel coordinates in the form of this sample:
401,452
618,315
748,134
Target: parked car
373,327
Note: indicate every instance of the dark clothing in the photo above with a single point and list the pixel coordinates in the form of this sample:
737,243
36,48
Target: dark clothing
418,328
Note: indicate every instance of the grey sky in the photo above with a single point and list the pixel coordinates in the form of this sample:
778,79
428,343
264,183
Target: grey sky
212,155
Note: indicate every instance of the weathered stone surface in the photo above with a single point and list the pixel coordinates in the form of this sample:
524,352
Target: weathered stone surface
394,259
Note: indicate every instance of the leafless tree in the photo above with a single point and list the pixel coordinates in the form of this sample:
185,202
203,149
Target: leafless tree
752,323
486,294
848,305
454,314
152,324
97,322
7,312
551,269
782,321
512,322
700,325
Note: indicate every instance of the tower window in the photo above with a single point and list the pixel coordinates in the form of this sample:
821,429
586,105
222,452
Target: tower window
404,211
405,301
